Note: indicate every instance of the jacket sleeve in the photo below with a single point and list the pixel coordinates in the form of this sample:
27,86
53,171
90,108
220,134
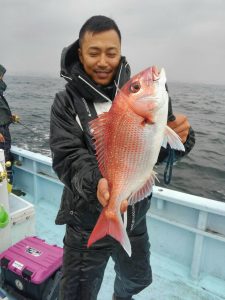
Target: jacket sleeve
71,160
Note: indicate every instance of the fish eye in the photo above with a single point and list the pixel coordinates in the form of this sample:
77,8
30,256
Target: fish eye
135,87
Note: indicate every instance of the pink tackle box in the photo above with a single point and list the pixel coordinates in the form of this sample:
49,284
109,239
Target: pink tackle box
32,268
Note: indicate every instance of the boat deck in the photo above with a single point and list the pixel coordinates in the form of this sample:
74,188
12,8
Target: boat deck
170,281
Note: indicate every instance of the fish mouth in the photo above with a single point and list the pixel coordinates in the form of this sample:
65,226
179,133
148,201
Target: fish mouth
154,103
162,75
154,100
152,75
151,101
148,98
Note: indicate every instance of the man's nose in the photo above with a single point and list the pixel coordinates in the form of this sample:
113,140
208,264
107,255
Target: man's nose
102,60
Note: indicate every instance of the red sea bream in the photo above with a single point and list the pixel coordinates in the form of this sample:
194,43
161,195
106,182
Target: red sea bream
128,139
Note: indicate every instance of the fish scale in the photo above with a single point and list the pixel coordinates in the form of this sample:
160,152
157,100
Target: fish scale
127,160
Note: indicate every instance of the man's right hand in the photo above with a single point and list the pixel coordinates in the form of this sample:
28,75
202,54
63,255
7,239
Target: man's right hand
103,195
103,192
2,139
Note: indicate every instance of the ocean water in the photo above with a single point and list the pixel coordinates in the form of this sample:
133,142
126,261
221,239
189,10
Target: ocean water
201,173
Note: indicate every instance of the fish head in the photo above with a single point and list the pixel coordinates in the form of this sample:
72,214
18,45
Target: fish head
146,93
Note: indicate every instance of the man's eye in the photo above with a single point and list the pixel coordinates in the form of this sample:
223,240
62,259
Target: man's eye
111,55
93,54
135,87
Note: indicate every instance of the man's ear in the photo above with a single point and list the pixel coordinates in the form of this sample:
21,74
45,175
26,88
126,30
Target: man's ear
80,55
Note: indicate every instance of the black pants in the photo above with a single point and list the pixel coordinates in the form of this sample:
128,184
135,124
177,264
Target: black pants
83,268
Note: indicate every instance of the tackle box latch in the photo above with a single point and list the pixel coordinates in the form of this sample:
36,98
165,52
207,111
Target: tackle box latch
4,262
27,274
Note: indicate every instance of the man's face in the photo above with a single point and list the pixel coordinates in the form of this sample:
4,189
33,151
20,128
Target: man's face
100,55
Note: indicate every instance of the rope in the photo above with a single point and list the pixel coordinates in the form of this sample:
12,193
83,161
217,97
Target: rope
169,167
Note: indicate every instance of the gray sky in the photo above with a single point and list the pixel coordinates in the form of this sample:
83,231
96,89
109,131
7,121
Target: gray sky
186,37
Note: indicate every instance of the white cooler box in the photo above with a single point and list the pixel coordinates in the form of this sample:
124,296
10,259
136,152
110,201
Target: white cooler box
22,215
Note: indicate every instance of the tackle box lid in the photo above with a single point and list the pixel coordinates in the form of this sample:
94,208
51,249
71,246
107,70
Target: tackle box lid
33,259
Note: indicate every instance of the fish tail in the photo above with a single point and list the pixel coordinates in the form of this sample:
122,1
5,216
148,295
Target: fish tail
113,227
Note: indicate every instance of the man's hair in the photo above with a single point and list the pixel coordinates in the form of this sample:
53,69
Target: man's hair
97,24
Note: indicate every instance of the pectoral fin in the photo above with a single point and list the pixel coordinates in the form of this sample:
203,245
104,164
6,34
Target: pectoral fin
172,139
99,129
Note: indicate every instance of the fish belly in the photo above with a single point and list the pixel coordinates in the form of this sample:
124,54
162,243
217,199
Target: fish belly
131,155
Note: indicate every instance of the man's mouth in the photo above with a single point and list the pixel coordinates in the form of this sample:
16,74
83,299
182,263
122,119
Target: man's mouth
103,74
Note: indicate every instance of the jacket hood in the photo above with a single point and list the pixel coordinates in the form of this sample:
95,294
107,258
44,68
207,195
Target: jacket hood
69,58
73,72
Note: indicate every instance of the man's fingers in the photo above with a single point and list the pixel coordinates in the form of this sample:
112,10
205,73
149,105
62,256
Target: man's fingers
123,206
181,126
103,188
103,192
183,131
103,195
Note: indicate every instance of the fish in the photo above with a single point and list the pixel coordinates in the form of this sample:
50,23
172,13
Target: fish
127,140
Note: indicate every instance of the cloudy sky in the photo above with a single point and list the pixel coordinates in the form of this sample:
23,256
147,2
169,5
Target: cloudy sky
186,37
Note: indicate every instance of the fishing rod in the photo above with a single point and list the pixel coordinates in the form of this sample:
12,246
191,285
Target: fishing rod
26,127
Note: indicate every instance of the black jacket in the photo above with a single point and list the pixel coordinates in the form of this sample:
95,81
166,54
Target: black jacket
73,154
5,112
5,121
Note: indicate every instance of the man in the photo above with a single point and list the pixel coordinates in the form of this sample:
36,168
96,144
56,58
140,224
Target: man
6,118
93,67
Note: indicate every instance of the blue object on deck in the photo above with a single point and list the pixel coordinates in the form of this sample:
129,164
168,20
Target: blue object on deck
3,295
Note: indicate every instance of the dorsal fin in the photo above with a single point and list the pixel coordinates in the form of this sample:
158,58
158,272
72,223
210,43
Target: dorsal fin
98,129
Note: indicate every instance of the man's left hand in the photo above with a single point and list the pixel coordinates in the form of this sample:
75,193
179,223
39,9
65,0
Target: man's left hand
181,126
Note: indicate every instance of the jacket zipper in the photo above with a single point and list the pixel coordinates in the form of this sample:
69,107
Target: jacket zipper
104,96
86,106
95,89
132,217
66,77
117,83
